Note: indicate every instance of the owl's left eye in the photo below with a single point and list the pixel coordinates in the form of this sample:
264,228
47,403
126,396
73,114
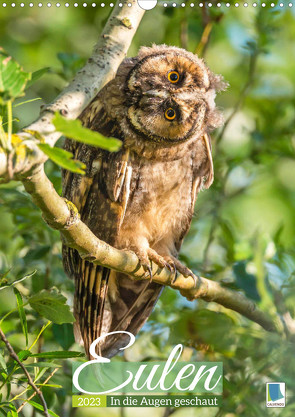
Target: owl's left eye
173,77
170,114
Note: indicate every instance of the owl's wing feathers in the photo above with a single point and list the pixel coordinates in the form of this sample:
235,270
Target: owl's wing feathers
202,177
104,300
207,172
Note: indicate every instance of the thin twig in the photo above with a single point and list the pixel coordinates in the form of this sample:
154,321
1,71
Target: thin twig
14,356
243,95
208,22
184,33
200,50
122,412
34,393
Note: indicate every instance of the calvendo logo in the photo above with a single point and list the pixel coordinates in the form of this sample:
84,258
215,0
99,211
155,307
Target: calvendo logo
275,394
200,383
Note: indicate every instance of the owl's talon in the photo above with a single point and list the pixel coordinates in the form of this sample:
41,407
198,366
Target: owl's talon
157,259
148,271
174,277
175,274
182,269
144,262
195,278
170,267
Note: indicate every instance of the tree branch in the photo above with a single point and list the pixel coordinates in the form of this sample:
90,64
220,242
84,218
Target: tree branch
100,68
63,216
14,356
34,393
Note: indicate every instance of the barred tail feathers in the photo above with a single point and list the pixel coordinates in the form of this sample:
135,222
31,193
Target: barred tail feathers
130,309
89,303
107,301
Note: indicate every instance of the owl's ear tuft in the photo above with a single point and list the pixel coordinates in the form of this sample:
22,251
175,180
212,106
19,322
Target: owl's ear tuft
144,51
150,50
217,82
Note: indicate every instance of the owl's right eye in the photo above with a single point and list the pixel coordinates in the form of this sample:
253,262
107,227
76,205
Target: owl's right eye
170,114
173,76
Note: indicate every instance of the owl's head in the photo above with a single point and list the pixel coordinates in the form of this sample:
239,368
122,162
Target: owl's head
170,95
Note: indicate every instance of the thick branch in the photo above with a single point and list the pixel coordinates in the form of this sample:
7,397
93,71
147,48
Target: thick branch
14,356
101,67
63,216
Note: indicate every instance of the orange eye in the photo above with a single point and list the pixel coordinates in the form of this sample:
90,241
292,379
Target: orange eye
173,77
170,114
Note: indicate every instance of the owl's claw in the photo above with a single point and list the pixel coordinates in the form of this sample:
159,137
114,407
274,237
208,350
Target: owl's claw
162,261
170,262
148,271
170,267
145,263
182,269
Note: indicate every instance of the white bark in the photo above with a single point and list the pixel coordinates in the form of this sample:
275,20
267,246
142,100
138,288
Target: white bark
100,68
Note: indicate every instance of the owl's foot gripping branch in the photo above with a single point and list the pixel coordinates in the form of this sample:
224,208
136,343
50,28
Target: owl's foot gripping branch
62,216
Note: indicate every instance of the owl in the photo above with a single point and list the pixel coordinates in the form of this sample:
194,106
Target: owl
161,106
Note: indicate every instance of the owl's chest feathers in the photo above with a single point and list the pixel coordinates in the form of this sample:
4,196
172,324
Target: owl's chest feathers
159,203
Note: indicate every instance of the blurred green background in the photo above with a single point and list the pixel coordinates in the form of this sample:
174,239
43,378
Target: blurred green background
244,225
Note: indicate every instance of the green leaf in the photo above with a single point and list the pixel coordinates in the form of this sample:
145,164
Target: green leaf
37,254
36,75
6,284
4,280
64,335
13,79
40,372
41,408
63,158
60,354
246,281
52,305
2,362
44,327
228,239
24,355
22,314
12,412
42,365
74,130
